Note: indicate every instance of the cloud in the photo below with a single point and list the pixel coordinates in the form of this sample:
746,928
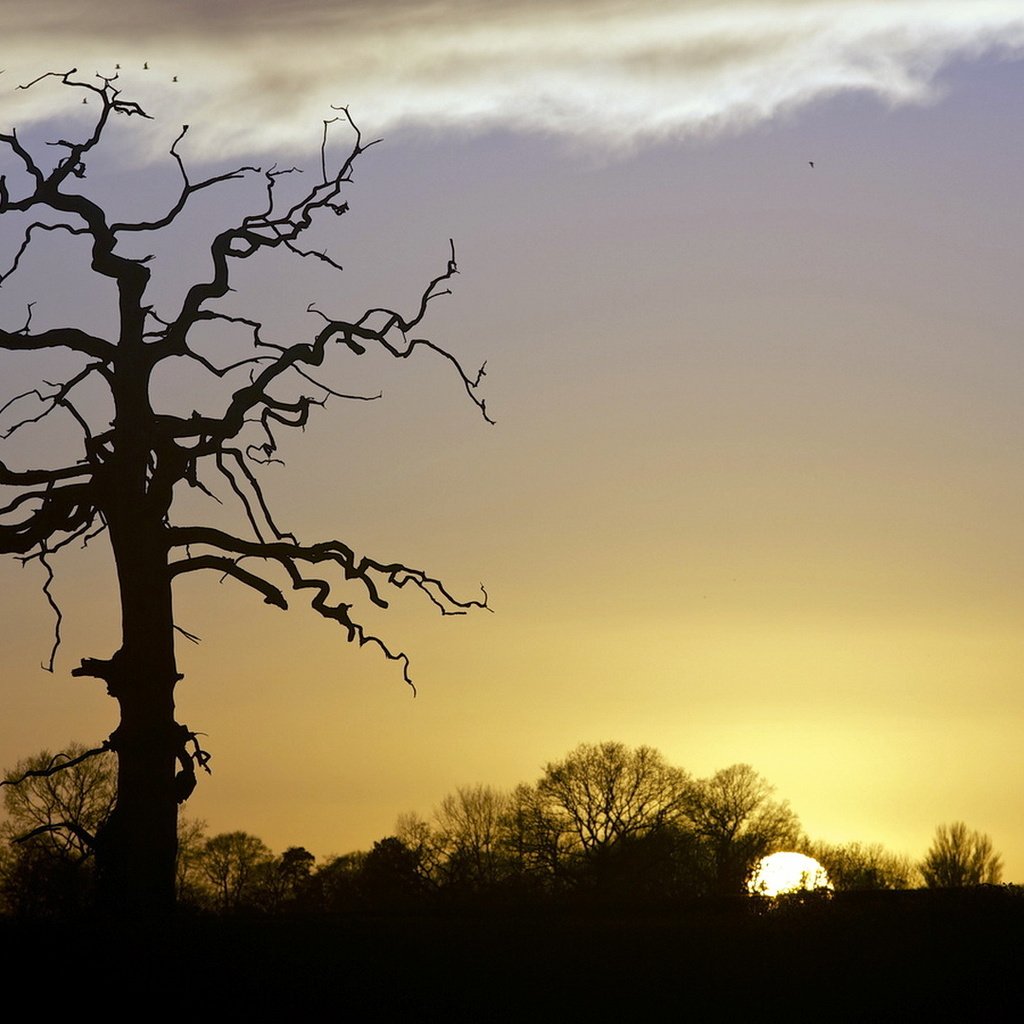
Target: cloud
256,74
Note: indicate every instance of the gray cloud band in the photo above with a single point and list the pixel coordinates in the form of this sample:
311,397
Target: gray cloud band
253,76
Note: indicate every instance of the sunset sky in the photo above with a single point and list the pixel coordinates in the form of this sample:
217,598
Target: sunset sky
755,488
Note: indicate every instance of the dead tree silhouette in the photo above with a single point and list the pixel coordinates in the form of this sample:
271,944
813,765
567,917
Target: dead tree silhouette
134,457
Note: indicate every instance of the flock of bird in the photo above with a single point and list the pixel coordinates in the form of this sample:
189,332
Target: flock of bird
117,67
145,67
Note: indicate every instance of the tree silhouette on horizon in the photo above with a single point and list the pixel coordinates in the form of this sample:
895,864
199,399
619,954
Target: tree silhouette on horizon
138,455
959,857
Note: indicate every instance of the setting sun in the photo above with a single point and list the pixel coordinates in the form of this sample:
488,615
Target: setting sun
787,872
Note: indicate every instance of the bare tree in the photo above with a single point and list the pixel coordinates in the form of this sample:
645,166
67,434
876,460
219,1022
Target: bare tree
469,822
231,862
189,878
138,453
960,856
734,815
60,800
425,845
535,840
607,792
55,805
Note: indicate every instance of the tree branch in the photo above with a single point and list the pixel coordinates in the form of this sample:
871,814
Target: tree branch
26,241
340,613
58,337
187,190
109,103
363,570
58,398
257,491
265,230
40,476
56,611
83,835
67,510
13,143
214,431
229,567
57,764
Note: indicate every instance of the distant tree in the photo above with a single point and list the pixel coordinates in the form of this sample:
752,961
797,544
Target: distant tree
607,792
392,875
231,863
60,800
295,866
959,857
469,827
183,390
534,838
666,863
738,823
55,805
853,866
281,883
425,844
190,880
7,883
34,882
337,884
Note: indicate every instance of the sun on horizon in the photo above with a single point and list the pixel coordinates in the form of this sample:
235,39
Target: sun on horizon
784,872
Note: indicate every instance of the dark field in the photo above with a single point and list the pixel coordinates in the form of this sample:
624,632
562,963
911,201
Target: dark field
869,957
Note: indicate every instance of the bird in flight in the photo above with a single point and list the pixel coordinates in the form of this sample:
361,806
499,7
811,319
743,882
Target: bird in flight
145,65
811,162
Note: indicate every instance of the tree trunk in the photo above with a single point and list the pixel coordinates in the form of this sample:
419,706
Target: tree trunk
137,848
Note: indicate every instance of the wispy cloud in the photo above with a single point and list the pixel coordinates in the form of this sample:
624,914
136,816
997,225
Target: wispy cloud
256,73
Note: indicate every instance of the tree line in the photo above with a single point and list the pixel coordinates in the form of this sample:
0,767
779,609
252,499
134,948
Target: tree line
606,821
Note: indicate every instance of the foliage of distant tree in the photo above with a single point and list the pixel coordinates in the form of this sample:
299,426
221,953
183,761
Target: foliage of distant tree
739,823
534,841
65,809
286,878
52,817
858,866
189,878
605,809
471,829
605,819
231,863
337,885
391,875
604,793
236,872
960,856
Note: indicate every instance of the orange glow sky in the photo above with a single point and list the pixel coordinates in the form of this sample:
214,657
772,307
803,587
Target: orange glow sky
755,491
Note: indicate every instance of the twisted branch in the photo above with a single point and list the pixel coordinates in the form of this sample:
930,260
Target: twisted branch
56,764
187,189
48,666
63,504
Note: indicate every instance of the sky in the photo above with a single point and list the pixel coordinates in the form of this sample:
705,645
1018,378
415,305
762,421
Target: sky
753,492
